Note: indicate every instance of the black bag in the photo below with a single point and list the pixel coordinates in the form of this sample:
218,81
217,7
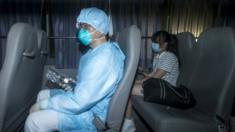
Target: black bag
162,92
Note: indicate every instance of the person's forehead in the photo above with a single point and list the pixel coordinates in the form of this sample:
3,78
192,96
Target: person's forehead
84,24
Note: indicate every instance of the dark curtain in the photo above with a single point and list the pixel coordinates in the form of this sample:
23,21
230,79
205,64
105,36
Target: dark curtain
174,16
145,14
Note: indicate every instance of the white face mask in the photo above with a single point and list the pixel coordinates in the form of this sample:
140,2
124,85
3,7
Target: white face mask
156,47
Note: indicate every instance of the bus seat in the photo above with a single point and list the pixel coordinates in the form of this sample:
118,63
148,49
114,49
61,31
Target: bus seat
18,84
186,45
213,79
212,84
129,41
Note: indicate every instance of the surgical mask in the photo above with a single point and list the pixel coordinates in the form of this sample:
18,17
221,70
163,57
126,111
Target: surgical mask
156,47
84,37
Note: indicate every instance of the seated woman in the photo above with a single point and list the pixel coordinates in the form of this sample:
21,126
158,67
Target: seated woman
165,61
165,66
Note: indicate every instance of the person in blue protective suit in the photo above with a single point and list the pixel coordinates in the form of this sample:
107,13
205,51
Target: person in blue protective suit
99,73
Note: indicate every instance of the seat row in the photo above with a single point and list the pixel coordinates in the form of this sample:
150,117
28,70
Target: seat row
21,74
208,69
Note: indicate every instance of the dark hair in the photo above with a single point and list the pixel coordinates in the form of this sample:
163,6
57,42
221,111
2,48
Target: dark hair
164,36
173,45
170,39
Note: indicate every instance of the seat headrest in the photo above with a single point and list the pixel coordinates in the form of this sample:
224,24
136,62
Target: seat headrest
186,42
21,38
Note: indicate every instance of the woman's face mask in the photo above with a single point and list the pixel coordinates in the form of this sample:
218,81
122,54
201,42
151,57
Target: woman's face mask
84,37
156,47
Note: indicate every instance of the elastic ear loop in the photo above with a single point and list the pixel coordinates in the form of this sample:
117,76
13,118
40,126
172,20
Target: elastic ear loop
77,25
96,38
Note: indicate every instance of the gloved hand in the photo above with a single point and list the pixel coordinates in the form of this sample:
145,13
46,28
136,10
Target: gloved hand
43,104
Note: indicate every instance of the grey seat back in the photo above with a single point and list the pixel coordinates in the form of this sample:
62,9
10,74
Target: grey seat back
213,79
17,80
129,41
186,46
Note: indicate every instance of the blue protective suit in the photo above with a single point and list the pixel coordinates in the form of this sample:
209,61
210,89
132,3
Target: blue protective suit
100,71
